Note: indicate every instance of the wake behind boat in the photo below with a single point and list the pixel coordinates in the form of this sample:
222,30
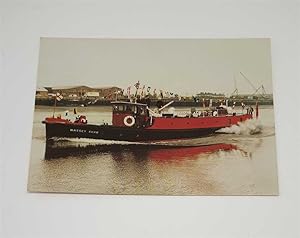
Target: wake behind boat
133,121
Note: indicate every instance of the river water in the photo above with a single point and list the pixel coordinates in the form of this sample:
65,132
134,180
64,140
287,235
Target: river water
239,161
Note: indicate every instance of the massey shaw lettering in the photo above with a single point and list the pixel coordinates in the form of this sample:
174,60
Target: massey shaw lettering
93,132
77,130
83,131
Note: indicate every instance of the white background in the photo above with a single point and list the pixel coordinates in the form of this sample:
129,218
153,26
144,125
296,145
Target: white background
54,215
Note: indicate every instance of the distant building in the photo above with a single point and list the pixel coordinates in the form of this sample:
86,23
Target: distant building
208,95
107,92
73,92
41,92
252,96
69,91
92,94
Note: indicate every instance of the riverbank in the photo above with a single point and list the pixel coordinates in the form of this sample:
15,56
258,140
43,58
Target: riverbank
177,103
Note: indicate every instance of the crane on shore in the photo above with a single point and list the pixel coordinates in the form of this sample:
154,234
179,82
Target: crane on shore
257,90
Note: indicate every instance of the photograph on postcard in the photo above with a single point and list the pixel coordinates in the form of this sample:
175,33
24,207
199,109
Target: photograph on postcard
154,117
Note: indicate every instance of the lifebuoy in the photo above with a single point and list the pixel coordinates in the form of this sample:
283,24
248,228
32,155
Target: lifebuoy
131,121
83,120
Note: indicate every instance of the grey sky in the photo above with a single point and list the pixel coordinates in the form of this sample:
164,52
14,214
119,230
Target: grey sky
184,66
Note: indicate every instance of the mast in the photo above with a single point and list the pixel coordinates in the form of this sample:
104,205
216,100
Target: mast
116,95
54,107
256,109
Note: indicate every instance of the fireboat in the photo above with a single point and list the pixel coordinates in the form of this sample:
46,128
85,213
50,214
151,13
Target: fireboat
136,122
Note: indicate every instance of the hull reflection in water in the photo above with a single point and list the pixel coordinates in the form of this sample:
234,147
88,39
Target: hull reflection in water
151,151
189,152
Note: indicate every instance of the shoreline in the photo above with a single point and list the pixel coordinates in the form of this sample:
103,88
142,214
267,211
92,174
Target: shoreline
176,103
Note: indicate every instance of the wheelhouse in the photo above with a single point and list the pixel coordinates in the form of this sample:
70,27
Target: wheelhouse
127,114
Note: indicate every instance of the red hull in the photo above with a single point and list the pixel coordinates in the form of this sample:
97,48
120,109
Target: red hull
163,129
132,122
186,123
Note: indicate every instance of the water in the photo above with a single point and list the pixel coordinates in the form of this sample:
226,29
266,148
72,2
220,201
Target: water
239,161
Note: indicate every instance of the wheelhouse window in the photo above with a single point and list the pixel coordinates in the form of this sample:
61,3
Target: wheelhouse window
124,108
128,108
142,111
118,108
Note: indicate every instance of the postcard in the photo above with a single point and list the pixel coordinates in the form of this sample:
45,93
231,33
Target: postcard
154,117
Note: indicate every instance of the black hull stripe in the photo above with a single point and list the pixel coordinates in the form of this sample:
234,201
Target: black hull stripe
121,133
